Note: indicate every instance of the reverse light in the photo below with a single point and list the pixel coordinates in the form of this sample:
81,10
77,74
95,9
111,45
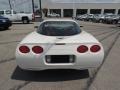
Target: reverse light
82,49
95,48
37,49
24,49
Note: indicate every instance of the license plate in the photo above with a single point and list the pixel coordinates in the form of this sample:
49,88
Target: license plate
60,59
3,20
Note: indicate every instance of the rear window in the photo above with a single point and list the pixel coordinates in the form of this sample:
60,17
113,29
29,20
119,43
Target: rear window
1,12
59,28
8,12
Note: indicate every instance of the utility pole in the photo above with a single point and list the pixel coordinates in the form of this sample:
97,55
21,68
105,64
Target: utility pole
33,9
73,9
33,6
10,4
40,8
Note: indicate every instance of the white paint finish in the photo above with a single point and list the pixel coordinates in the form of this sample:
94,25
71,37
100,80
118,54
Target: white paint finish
62,13
50,5
85,1
33,61
18,16
74,13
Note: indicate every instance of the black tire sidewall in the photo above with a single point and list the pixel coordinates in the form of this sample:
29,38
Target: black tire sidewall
25,21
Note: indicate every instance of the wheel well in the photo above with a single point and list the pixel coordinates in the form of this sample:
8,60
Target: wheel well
25,17
115,20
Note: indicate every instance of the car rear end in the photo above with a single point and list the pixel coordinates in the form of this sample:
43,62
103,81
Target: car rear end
59,45
5,23
59,56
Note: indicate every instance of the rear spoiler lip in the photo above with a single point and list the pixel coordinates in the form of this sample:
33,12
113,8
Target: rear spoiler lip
59,43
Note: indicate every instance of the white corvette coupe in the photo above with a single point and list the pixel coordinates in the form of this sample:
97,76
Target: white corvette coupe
59,44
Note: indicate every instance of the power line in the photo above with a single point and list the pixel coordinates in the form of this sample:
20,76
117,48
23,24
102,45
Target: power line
10,4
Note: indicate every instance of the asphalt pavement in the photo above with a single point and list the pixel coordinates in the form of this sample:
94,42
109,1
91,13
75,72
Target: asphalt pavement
105,78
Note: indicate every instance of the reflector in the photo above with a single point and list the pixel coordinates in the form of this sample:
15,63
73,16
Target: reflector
82,49
37,49
24,49
95,48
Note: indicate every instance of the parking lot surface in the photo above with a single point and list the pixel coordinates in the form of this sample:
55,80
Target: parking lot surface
105,78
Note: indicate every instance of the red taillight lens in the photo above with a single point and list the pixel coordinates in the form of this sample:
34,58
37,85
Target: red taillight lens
24,49
37,49
95,48
82,49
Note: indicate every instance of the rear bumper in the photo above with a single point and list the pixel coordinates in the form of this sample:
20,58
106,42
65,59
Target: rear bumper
6,24
81,62
46,67
53,67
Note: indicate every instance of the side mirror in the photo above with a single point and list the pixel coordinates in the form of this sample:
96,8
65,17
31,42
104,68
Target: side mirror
81,26
35,26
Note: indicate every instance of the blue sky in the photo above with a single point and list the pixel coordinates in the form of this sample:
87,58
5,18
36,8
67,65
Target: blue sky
25,5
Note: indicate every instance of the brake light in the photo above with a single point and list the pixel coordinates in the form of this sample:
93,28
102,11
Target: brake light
24,49
82,49
37,49
95,48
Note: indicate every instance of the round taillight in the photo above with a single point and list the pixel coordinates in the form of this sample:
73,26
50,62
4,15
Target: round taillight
95,48
37,49
24,49
82,49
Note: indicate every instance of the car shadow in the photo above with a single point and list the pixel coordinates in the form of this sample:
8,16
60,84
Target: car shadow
4,29
20,23
49,75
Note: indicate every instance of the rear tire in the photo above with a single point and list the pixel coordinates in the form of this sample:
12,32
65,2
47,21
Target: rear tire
114,22
100,21
25,20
